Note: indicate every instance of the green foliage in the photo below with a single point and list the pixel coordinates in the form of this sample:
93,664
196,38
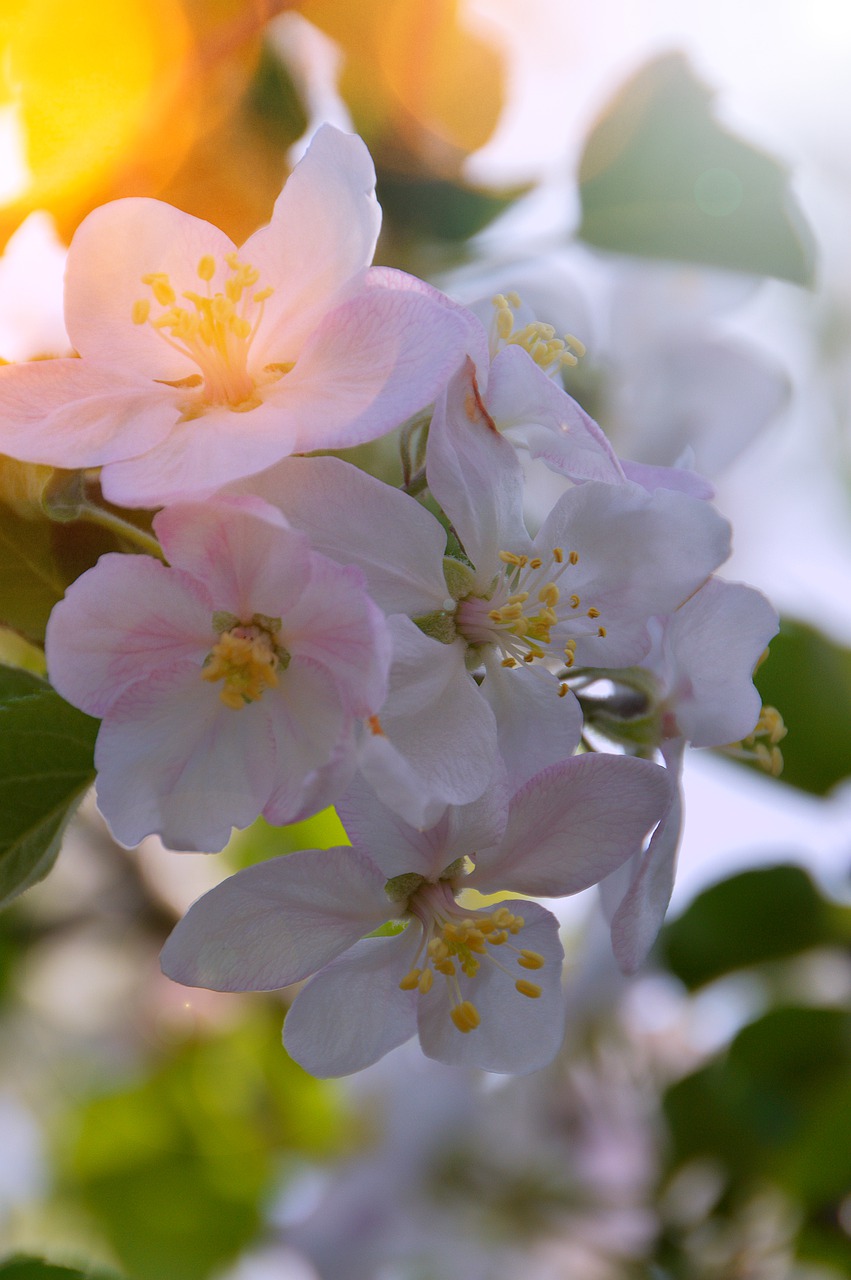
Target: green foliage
661,178
440,209
26,1268
768,913
261,841
808,678
274,100
175,1169
30,579
773,1110
46,764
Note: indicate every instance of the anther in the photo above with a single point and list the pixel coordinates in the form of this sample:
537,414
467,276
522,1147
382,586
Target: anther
530,989
465,1016
531,960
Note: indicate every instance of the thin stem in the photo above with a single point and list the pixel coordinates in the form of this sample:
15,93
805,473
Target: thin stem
123,529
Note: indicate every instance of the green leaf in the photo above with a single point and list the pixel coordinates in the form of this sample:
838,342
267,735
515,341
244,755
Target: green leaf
27,1268
439,209
661,178
777,1105
30,580
808,678
46,764
768,913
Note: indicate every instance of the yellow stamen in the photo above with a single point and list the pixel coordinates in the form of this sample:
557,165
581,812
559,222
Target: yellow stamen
530,989
465,1016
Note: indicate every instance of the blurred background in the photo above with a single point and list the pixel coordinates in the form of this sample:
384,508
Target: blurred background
671,182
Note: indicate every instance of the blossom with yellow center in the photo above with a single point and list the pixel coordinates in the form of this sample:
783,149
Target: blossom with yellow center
481,987
226,684
201,362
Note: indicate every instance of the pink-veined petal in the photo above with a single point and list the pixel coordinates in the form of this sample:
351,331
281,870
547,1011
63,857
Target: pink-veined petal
573,824
642,903
123,621
524,402
277,922
475,476
335,623
437,722
112,249
399,548
536,725
516,1033
247,560
309,721
200,455
379,357
716,639
354,1012
322,232
71,413
174,761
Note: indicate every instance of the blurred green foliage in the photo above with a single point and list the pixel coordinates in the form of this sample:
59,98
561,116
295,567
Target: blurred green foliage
659,177
46,765
27,1268
768,913
772,1109
176,1169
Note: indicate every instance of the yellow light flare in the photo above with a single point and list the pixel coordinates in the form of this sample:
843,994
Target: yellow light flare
85,88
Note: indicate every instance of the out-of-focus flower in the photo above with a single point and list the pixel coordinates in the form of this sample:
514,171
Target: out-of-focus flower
482,987
228,684
202,363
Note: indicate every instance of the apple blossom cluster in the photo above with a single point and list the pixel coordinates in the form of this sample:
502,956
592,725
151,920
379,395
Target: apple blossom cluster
497,705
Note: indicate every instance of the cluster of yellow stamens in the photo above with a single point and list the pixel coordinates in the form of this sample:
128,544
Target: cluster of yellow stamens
247,660
524,608
460,943
760,746
215,331
539,340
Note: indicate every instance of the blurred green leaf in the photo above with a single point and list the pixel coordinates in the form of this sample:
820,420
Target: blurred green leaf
661,178
767,913
274,100
46,765
777,1105
440,209
30,580
261,840
808,678
27,1268
176,1169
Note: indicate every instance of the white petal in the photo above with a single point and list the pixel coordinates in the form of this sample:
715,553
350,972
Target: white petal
354,1012
277,922
574,823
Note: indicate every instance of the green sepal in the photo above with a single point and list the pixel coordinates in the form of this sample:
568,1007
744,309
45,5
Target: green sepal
460,577
224,621
401,888
439,624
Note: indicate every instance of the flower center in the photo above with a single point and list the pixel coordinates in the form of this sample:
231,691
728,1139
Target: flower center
526,606
215,331
246,658
539,340
455,945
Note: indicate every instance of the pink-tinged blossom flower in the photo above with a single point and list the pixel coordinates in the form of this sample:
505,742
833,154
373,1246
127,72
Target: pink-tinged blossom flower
202,362
228,683
516,363
500,630
702,665
481,986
